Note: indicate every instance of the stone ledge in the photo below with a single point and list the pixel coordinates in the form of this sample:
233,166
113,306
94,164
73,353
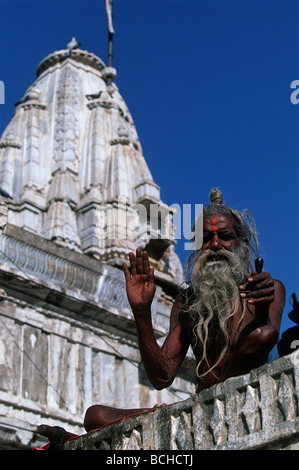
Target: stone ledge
258,410
62,278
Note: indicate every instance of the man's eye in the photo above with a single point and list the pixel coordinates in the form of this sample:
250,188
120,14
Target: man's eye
206,237
226,235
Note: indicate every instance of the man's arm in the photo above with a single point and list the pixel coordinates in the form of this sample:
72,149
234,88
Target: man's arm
161,364
265,298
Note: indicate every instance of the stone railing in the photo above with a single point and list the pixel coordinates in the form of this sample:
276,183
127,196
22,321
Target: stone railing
258,410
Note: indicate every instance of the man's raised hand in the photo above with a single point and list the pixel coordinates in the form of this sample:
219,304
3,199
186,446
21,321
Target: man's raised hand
140,281
260,288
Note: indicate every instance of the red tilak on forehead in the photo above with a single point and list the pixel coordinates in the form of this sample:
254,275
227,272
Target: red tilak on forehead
214,222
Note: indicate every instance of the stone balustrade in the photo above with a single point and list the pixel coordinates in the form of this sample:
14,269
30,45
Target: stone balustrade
258,410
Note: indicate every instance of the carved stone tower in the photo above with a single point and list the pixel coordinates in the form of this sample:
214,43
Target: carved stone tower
73,163
77,196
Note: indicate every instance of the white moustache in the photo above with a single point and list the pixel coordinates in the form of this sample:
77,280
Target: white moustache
211,256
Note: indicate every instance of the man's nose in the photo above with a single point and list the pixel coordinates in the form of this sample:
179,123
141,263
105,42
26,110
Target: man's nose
215,243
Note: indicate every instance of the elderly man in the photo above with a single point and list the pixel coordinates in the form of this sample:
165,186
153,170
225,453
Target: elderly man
230,314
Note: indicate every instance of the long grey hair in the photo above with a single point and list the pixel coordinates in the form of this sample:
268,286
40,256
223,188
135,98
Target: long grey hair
214,284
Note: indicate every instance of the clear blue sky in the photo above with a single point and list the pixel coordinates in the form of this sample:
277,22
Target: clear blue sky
208,86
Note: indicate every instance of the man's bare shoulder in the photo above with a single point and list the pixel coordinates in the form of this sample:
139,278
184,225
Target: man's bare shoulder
277,306
279,287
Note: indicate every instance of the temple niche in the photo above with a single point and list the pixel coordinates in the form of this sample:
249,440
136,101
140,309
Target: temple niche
76,197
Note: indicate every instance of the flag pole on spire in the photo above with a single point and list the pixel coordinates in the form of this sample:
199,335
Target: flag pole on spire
109,72
110,31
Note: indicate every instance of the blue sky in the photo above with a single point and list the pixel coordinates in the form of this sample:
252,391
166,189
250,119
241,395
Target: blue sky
208,85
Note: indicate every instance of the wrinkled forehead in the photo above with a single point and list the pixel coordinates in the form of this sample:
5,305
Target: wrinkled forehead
219,222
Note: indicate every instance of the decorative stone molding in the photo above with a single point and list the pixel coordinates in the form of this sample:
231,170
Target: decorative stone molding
258,410
77,55
9,143
76,276
28,106
45,265
121,141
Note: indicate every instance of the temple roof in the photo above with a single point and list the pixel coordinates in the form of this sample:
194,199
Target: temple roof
71,160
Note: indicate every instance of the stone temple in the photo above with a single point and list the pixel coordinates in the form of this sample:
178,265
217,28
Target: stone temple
76,197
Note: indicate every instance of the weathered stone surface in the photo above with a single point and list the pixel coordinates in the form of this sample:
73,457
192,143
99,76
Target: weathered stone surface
68,340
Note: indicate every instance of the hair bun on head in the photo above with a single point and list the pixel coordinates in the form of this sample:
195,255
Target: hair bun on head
216,196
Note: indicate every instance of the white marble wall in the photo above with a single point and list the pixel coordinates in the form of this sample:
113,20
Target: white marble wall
68,339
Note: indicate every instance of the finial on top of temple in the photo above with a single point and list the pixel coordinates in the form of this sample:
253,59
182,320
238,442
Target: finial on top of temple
73,44
109,74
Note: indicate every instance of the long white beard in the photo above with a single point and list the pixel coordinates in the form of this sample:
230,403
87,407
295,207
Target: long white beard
215,298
